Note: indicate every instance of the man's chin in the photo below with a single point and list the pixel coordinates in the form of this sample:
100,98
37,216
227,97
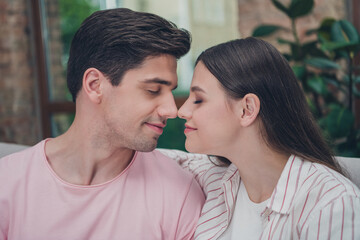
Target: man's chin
147,147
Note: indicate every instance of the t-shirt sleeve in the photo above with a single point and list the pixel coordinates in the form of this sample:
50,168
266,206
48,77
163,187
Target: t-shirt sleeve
3,224
4,208
3,221
190,212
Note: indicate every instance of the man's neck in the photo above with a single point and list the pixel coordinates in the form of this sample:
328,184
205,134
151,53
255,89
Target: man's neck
80,161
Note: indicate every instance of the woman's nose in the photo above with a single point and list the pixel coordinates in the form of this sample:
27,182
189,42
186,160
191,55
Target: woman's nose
184,111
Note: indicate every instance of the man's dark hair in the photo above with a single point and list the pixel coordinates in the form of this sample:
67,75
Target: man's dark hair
117,40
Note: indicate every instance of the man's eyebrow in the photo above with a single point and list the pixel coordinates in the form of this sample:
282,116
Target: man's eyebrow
159,81
196,89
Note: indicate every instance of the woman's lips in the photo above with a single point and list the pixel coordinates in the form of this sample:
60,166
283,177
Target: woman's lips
158,128
188,129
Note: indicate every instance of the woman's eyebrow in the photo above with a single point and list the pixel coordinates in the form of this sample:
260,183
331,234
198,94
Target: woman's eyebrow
196,89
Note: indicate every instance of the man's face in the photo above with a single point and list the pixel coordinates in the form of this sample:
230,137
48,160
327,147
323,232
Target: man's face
136,111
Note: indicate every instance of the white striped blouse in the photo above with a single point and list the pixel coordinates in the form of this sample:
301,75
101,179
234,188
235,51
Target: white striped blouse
310,201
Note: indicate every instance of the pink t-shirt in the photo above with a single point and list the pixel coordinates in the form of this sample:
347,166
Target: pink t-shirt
151,199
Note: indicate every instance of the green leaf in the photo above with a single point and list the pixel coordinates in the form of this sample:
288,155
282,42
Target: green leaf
323,38
311,105
296,52
340,46
346,79
265,30
299,8
327,23
339,122
322,63
288,57
311,49
72,13
331,81
350,31
280,6
344,31
324,31
356,91
317,84
299,71
284,41
357,79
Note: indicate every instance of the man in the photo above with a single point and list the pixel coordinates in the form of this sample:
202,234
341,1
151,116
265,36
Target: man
101,179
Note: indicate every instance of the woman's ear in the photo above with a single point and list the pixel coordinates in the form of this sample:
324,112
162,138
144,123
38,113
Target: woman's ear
92,79
249,109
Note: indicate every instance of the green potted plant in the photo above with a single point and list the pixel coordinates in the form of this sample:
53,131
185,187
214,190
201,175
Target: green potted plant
326,70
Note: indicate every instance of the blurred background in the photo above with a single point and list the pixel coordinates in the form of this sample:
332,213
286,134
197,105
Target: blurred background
320,38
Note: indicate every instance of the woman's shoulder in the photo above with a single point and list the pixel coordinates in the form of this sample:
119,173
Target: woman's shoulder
325,202
325,185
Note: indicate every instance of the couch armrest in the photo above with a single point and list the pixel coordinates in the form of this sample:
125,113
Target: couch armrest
352,167
8,148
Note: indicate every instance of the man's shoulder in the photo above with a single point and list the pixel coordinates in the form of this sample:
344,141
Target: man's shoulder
21,160
164,176
158,163
171,189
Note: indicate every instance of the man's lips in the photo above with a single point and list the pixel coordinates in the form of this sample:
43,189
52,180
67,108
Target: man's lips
189,129
157,127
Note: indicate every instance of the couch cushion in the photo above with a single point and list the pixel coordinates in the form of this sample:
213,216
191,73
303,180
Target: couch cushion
8,148
352,167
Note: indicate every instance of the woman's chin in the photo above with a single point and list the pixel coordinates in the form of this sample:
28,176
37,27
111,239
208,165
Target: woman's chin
195,149
191,148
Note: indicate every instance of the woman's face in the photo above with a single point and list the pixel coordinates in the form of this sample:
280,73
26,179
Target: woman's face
211,125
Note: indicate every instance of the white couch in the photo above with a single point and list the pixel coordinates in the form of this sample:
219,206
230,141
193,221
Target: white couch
351,165
7,148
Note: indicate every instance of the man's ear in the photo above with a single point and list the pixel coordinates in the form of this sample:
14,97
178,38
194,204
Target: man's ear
91,84
249,109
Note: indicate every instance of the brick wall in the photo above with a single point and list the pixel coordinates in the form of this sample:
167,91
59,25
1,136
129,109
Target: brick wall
255,12
57,81
18,118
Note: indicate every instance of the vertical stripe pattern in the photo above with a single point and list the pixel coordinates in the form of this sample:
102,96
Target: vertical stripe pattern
310,200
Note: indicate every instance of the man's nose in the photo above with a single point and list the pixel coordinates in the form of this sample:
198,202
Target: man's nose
168,108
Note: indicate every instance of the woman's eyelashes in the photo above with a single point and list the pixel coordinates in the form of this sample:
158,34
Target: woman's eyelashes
197,101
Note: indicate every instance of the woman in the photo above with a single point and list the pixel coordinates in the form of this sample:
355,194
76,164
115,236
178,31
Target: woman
281,180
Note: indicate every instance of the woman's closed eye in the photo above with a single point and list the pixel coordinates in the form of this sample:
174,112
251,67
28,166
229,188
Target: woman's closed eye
197,101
